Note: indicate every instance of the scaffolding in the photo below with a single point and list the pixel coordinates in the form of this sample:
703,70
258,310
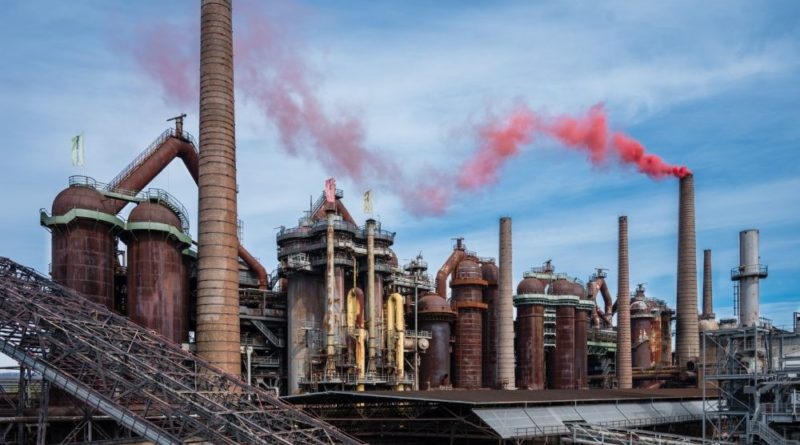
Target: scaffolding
118,370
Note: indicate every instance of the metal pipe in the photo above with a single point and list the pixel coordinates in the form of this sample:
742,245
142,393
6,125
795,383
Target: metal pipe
330,309
372,313
505,310
416,333
687,341
395,326
217,265
355,324
624,377
448,267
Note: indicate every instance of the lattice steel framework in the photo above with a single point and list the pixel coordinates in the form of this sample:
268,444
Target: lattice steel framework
141,380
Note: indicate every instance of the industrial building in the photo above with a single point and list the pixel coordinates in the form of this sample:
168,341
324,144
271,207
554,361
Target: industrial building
145,335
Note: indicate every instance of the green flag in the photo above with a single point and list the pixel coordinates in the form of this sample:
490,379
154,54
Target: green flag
77,150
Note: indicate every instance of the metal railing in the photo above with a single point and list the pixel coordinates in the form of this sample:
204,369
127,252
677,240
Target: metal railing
144,155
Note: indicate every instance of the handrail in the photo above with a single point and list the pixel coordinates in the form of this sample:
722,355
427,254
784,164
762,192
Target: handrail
166,134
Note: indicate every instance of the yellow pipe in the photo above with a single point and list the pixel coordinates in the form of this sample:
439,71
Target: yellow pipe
354,307
395,318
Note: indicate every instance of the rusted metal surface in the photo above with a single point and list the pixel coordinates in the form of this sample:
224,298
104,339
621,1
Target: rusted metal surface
504,313
371,308
467,300
448,267
157,278
435,316
530,344
564,366
218,266
83,251
687,340
624,378
331,314
666,338
306,309
151,387
490,325
581,349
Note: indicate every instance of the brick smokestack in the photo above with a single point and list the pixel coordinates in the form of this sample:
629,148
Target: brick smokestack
624,372
708,300
505,315
217,263
687,332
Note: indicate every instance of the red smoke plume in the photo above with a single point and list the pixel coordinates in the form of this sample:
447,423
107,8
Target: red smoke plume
272,74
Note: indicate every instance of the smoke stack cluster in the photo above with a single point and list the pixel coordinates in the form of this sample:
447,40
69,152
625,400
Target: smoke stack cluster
708,299
505,315
687,332
624,371
218,266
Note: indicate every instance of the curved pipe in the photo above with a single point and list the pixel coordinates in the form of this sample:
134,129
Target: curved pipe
395,322
355,324
174,147
607,304
447,268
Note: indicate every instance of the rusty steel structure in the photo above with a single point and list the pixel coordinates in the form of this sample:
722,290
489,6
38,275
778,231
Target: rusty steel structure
503,313
490,272
544,361
687,340
467,301
218,329
624,377
150,387
157,281
436,317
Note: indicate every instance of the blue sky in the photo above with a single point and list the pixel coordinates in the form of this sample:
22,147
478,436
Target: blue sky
713,85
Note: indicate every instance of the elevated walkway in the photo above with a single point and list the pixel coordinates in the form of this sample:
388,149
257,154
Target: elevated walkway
145,383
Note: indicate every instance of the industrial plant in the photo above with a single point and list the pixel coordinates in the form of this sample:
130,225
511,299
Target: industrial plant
142,334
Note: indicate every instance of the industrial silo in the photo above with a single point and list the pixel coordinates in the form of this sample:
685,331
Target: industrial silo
530,301
436,317
467,300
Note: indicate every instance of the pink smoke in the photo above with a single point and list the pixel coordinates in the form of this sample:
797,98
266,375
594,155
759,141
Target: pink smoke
502,138
273,75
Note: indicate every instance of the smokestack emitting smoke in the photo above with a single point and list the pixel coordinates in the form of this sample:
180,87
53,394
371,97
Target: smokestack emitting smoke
274,76
624,370
505,310
687,342
217,256
708,299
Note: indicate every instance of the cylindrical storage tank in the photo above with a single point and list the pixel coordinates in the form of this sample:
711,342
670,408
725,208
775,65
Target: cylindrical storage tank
467,300
530,334
581,338
84,243
564,366
641,326
436,317
157,281
490,324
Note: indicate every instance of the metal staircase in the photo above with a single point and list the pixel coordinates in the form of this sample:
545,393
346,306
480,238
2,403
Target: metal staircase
141,380
144,155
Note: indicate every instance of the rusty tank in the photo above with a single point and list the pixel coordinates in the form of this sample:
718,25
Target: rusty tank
467,300
490,324
157,276
564,366
435,316
84,242
582,318
530,334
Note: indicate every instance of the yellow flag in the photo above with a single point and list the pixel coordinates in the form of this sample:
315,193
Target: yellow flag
368,202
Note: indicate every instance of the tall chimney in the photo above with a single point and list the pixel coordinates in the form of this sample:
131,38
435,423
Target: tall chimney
217,262
624,372
505,305
708,299
687,332
749,272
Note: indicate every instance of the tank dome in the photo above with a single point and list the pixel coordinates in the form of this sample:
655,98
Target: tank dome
433,303
468,268
77,197
530,285
490,271
563,287
154,212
